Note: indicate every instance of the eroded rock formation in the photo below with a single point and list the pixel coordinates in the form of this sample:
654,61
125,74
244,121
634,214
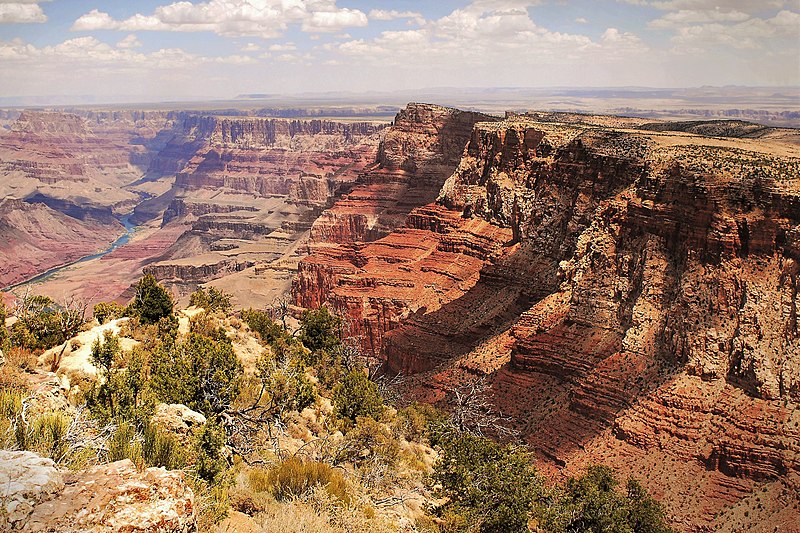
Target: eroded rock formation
117,498
38,496
421,149
632,297
250,190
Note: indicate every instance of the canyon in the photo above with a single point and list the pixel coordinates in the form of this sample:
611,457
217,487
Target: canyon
216,197
625,288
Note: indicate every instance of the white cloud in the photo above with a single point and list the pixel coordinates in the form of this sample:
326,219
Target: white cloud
581,20
21,12
90,53
752,33
333,21
499,32
285,47
746,6
682,17
383,14
131,41
262,18
250,47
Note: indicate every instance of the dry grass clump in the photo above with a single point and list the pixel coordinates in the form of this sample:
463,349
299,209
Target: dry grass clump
294,478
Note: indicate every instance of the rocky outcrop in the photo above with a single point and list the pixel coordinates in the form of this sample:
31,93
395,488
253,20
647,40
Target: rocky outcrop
622,289
250,132
117,498
196,270
27,480
418,152
178,420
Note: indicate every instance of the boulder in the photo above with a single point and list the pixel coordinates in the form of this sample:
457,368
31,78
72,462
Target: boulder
117,498
177,418
27,479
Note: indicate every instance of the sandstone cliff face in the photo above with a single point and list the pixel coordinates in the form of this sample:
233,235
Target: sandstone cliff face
250,189
79,159
624,290
421,149
300,159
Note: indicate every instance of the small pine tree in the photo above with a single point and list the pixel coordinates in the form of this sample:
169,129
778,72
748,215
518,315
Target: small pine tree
152,301
357,396
200,372
105,311
210,463
486,484
211,300
593,503
320,330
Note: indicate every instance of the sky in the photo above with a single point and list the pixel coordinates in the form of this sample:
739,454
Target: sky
151,50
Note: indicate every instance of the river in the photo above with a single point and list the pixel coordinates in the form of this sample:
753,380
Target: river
130,228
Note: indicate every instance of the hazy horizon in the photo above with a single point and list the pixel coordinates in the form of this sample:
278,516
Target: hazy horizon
158,50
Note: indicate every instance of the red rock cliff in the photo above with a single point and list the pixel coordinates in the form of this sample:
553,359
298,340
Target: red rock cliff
633,297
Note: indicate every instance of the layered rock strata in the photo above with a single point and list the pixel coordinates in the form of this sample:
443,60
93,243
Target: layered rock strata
624,290
251,192
35,238
418,152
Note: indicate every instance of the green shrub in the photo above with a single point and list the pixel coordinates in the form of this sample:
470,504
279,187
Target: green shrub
357,396
259,480
105,311
41,324
210,464
413,422
368,440
488,485
48,435
104,353
260,322
211,300
123,444
122,392
152,302
293,478
4,342
199,372
319,331
284,385
160,448
593,503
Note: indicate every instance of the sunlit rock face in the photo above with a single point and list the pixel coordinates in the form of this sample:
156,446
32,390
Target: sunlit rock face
629,289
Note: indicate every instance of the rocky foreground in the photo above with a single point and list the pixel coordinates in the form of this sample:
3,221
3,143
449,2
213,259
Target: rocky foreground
629,290
38,496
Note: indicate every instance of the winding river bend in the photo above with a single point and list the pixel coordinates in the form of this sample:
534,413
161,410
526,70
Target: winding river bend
130,228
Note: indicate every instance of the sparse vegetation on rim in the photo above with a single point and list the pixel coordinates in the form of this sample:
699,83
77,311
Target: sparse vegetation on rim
272,443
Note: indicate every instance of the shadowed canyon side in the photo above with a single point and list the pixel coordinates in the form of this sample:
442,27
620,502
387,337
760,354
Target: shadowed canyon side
629,289
419,151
